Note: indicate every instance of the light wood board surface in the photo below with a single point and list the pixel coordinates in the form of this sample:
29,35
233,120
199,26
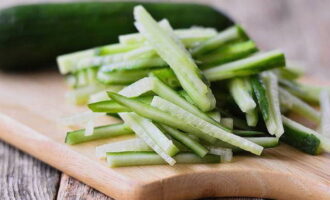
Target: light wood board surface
31,106
274,24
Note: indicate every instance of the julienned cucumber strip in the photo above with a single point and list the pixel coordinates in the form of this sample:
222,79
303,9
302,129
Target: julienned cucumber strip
192,144
298,106
303,138
215,115
227,122
247,66
248,133
135,122
307,92
167,76
204,126
157,136
227,54
122,77
69,62
140,52
177,57
142,63
266,142
134,144
154,84
291,72
324,125
110,106
274,123
252,117
260,94
101,132
184,94
187,36
138,158
116,48
159,116
242,93
232,34
225,154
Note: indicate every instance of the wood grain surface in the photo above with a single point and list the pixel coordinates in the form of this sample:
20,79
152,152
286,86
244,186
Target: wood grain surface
299,27
25,178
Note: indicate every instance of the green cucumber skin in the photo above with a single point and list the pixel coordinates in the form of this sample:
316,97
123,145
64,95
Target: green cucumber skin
140,158
101,132
260,94
33,35
307,143
110,106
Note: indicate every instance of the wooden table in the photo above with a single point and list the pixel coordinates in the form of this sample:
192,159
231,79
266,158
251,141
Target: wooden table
299,27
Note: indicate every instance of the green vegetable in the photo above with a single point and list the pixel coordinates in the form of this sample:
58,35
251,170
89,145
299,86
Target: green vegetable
187,36
227,122
158,115
101,132
265,142
52,27
247,66
298,106
192,144
303,138
156,135
274,123
247,133
154,84
260,94
142,63
134,144
306,91
167,76
215,115
177,57
252,117
122,77
227,53
68,62
241,91
137,158
232,34
81,95
111,106
324,124
290,72
144,128
204,126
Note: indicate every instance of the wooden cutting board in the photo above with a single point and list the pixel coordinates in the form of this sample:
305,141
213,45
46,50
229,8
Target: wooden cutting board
31,105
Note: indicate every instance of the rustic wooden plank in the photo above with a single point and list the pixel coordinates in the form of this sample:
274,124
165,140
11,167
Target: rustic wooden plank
25,178
72,189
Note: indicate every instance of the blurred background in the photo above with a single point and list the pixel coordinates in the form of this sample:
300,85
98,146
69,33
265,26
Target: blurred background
298,27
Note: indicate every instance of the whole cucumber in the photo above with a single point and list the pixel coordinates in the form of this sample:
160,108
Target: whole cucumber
33,35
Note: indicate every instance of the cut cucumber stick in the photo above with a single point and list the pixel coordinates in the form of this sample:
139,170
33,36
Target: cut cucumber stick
101,132
137,158
177,57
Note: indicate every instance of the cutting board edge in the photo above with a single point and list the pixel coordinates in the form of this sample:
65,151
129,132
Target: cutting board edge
64,159
210,183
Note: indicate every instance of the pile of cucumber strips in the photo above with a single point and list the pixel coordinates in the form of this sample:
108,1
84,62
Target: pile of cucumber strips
191,95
